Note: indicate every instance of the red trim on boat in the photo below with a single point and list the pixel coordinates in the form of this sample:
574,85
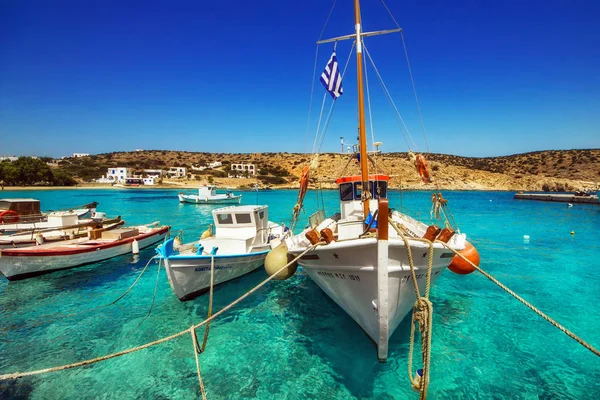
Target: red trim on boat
80,249
358,178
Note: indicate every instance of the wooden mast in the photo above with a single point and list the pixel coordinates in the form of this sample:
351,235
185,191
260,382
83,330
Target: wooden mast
362,135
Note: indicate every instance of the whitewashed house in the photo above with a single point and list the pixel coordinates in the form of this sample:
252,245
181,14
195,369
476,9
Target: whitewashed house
177,172
238,170
77,155
119,174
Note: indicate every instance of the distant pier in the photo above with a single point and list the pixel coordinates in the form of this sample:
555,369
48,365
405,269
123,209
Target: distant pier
564,198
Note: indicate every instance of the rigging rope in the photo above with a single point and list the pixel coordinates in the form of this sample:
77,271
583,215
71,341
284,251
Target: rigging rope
331,108
411,75
314,75
391,103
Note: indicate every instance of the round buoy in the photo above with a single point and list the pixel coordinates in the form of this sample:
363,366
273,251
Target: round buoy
277,259
572,233
526,239
460,266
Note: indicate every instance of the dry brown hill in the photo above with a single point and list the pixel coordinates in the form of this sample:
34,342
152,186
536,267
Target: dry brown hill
550,170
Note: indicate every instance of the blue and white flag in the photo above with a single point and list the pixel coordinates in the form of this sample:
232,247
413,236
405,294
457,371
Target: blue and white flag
331,78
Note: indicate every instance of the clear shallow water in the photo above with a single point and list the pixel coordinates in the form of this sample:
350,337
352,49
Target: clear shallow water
289,340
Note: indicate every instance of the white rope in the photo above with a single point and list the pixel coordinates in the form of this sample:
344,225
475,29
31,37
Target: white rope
369,105
314,148
391,103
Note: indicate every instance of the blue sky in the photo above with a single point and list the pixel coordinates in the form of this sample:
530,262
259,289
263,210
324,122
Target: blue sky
493,78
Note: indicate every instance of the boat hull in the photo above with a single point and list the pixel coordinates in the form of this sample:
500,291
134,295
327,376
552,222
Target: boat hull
27,262
189,275
195,199
347,273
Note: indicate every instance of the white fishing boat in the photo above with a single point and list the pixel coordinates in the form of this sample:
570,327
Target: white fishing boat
239,246
58,231
18,215
207,194
26,262
367,257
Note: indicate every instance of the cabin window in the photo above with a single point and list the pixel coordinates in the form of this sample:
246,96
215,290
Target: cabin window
346,192
225,218
357,190
261,214
378,189
243,218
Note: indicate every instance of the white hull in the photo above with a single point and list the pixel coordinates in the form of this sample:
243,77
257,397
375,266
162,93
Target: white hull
189,275
218,199
20,266
347,273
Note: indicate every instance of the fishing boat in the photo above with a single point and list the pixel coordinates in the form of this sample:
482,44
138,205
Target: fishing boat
367,257
239,246
207,194
26,262
58,231
17,215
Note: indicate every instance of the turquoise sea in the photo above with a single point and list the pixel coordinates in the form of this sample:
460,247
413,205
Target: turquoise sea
290,341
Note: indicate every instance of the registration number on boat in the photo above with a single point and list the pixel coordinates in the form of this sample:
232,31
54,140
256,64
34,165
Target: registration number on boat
339,275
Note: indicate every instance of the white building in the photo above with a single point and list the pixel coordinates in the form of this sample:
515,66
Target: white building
119,174
156,173
77,155
215,164
177,172
8,158
151,180
239,169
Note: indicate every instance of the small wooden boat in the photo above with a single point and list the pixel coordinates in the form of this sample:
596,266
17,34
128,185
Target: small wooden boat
40,236
17,215
240,245
100,245
208,195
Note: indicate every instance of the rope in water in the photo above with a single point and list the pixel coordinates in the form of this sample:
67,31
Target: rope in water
16,375
423,311
526,303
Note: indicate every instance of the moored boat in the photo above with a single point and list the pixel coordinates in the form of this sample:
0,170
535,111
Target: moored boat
239,246
369,259
26,262
207,194
17,215
57,232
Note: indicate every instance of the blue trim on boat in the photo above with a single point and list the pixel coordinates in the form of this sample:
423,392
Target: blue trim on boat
217,257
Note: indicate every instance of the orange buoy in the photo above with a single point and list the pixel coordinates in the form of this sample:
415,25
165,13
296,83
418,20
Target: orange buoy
460,266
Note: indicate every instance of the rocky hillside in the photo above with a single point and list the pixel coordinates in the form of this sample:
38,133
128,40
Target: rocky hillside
554,170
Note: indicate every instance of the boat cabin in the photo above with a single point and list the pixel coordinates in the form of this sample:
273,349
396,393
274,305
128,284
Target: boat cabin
242,222
350,190
13,210
207,191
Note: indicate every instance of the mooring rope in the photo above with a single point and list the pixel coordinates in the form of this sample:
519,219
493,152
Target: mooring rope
16,375
422,315
59,317
197,348
526,303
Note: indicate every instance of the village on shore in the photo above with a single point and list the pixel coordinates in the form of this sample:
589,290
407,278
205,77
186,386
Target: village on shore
550,171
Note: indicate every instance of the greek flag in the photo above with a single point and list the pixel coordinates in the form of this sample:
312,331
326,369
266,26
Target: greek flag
331,78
